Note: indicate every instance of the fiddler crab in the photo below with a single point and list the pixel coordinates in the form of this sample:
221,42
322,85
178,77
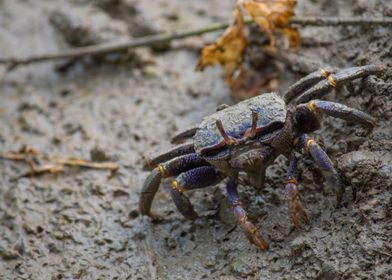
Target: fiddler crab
247,137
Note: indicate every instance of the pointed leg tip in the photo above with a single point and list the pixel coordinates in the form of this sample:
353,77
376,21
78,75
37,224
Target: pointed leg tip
382,68
263,246
254,236
296,211
306,220
259,241
193,216
305,216
295,222
339,198
155,217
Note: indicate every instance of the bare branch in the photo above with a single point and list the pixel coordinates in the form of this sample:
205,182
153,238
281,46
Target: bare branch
111,47
341,21
87,164
53,165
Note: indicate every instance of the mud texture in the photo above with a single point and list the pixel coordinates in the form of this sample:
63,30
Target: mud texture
80,225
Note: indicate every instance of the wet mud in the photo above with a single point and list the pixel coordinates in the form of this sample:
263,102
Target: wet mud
121,107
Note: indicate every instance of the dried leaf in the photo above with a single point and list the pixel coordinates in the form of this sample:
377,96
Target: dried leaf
273,15
228,49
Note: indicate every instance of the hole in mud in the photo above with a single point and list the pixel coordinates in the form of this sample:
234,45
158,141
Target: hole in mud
40,229
136,137
133,214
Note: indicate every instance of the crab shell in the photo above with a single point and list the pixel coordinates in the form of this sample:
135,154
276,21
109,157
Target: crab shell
237,119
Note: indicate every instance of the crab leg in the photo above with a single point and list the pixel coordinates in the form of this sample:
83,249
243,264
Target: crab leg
196,178
184,135
341,111
249,228
165,170
339,79
150,187
291,191
177,151
305,83
309,146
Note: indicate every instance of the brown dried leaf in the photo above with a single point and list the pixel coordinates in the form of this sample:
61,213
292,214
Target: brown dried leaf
273,15
228,49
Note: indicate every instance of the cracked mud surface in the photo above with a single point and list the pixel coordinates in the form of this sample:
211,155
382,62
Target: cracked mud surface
80,225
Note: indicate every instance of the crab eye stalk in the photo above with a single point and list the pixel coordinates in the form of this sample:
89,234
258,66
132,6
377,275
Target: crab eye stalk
251,132
228,139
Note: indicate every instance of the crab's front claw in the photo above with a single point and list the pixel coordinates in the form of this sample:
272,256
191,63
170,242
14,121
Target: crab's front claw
254,236
295,205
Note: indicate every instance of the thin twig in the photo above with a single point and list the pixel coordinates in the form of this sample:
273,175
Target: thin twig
53,165
162,38
341,21
13,156
36,170
111,47
24,154
87,164
51,168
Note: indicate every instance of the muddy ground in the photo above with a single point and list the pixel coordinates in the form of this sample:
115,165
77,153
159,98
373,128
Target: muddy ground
81,225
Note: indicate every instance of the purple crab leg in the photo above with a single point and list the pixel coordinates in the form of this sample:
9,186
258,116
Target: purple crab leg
177,151
305,83
196,178
342,111
341,78
150,187
292,194
249,228
165,170
309,146
184,135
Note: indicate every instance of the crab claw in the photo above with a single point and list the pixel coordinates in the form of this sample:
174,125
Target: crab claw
295,205
254,236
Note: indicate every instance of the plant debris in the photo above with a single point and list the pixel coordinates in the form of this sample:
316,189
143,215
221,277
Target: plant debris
39,164
229,49
273,15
